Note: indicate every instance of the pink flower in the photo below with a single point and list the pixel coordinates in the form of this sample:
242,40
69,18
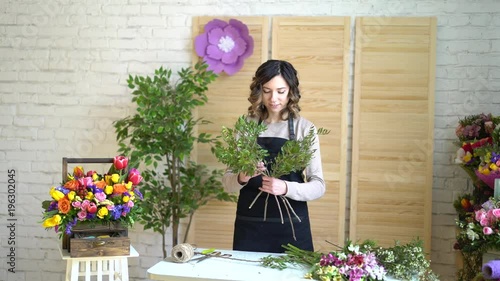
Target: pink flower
100,196
487,230
120,162
134,176
484,222
480,215
92,208
86,181
82,215
130,203
76,204
496,213
85,204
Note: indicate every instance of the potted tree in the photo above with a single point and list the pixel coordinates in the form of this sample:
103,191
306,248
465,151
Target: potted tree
160,136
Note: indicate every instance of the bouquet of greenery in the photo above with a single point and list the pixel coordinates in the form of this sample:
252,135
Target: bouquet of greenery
240,152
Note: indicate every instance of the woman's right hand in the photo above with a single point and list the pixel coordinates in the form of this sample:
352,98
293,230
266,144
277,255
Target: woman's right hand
244,178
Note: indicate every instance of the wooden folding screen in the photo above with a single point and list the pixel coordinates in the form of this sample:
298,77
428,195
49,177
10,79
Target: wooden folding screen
392,125
227,100
391,196
319,49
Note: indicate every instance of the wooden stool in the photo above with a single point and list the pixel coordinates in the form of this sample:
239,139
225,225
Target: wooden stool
114,267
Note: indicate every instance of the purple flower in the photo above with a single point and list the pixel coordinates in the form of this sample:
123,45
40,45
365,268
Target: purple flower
62,189
138,193
117,212
70,225
224,46
53,206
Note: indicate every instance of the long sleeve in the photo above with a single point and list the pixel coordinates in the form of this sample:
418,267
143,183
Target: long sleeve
230,182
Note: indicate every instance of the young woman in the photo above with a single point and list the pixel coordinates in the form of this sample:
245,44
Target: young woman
274,99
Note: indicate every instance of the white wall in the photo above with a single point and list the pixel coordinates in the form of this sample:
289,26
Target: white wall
63,71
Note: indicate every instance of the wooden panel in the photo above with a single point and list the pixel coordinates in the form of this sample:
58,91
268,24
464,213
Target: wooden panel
227,100
319,49
393,113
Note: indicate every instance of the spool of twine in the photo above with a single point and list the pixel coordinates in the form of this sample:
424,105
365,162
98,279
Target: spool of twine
182,252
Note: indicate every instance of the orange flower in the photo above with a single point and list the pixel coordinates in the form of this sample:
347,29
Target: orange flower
100,184
72,184
64,205
119,188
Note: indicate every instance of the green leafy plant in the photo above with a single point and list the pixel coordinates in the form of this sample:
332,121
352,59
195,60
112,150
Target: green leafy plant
161,135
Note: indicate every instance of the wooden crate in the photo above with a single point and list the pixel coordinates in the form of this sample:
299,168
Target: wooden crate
95,239
87,240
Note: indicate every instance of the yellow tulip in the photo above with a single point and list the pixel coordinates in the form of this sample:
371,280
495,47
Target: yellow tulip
129,185
89,196
467,157
51,222
125,199
71,195
115,178
108,189
493,167
95,176
102,212
56,194
107,179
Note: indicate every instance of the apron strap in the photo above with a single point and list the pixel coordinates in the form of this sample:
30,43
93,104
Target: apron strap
291,131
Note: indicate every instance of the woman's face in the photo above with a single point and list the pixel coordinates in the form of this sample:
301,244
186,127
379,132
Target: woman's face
275,95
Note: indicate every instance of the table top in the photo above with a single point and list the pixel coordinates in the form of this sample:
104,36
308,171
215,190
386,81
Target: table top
216,268
65,255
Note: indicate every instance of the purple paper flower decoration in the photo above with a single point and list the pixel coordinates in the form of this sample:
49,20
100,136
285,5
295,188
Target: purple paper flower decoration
224,46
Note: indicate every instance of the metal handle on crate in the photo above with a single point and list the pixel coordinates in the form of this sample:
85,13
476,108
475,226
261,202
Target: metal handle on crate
99,243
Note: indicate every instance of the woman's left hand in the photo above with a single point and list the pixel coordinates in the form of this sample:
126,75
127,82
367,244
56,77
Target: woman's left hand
273,186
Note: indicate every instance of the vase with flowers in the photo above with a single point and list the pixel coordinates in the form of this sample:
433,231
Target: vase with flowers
89,198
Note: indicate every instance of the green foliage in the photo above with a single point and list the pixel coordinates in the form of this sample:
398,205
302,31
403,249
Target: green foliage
293,255
294,155
240,150
161,136
406,261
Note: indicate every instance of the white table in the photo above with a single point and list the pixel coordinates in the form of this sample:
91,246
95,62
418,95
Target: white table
215,268
114,267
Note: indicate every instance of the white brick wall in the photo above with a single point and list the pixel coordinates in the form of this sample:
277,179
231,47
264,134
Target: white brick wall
63,71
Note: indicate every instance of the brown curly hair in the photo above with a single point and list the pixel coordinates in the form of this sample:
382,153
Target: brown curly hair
264,74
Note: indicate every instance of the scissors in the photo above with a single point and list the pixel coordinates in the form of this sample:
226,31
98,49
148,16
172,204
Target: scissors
211,255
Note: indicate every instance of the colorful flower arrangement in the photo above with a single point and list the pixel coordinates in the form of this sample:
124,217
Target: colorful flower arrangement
359,262
94,198
478,151
354,263
479,155
224,46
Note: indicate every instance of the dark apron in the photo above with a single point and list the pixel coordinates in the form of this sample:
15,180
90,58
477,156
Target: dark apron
251,231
